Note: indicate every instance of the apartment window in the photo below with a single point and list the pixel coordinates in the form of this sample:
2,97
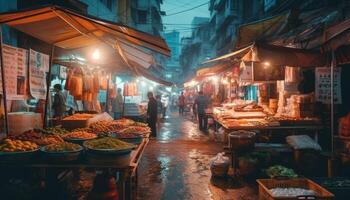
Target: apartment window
142,15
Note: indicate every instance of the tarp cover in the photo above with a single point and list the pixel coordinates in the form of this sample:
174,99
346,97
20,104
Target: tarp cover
70,30
284,56
141,71
248,33
215,69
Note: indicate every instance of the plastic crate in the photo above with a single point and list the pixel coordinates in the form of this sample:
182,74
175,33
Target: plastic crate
266,184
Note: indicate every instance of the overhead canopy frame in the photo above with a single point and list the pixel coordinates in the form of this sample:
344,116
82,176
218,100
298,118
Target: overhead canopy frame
70,30
277,55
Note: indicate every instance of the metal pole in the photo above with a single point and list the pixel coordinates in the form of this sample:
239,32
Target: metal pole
107,94
332,100
3,83
48,84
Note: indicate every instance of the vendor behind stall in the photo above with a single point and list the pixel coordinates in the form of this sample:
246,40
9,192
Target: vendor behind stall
59,102
117,105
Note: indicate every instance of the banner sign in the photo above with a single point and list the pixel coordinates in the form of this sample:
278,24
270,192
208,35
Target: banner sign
323,85
15,68
38,66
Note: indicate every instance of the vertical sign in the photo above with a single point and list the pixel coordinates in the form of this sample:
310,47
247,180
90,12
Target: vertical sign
10,70
15,68
323,85
38,66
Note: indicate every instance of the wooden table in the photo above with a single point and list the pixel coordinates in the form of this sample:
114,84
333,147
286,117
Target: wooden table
282,129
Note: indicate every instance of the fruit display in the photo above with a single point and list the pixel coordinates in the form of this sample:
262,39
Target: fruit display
107,143
63,147
10,145
79,116
79,135
37,137
280,171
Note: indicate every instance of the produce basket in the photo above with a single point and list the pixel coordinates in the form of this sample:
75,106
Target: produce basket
266,184
21,156
57,157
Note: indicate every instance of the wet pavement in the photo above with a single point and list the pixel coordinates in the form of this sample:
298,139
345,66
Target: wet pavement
176,166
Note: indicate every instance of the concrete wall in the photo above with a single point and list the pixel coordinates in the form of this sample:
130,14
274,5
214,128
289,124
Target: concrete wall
99,9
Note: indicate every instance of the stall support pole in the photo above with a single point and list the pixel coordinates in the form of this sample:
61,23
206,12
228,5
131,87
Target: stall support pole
48,84
3,82
123,106
332,100
107,95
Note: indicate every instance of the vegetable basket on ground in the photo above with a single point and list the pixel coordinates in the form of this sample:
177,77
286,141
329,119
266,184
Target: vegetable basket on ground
265,186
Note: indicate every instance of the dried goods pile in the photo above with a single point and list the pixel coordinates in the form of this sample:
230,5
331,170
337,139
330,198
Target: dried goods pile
17,146
107,144
63,147
38,138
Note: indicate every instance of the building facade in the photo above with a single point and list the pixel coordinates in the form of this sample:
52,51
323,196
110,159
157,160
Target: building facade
173,69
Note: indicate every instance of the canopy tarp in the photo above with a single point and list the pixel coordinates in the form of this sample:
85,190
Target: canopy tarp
137,55
141,71
337,35
284,56
236,54
70,30
215,69
255,31
277,55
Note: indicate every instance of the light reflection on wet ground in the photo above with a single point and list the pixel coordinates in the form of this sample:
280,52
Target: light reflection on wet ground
176,166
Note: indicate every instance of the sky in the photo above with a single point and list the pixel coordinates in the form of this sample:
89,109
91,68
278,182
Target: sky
182,21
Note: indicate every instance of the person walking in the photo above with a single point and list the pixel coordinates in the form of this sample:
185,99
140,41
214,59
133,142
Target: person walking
117,105
59,102
200,104
159,111
152,114
182,103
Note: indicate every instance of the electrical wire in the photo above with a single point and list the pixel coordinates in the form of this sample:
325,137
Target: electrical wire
186,10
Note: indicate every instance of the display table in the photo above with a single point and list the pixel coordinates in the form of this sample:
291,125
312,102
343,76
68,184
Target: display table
275,128
126,168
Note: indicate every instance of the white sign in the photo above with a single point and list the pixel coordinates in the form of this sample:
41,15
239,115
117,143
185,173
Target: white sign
38,66
15,68
246,72
323,85
63,72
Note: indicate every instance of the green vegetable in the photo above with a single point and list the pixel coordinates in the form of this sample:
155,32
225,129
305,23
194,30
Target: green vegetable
280,171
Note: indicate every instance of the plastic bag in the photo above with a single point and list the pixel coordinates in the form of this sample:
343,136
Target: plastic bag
302,142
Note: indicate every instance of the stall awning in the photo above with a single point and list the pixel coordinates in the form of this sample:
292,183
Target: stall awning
137,55
248,33
141,71
277,55
70,30
215,69
337,35
284,56
236,54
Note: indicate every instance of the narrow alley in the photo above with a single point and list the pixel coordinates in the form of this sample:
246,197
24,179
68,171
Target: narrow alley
177,166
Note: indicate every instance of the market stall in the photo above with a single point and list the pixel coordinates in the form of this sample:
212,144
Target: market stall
85,140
